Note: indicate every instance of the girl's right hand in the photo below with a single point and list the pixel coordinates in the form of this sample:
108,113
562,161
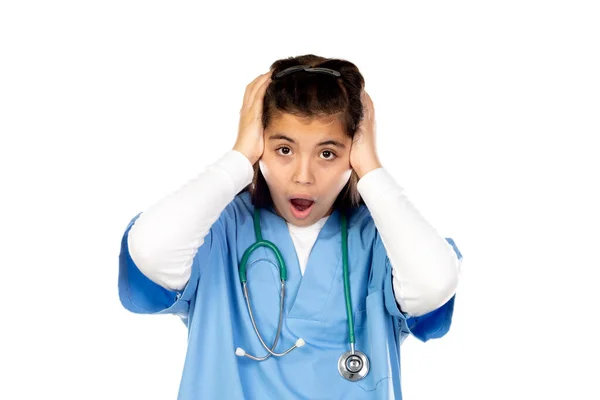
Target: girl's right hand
250,140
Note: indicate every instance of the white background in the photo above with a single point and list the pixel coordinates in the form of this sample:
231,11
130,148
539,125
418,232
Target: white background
487,114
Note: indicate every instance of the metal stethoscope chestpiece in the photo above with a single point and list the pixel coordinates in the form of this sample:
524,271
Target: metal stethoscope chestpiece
353,365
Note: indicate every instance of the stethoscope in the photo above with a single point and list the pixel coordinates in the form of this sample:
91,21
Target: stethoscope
353,364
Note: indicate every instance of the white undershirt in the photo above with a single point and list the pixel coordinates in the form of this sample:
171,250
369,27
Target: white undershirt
304,237
165,238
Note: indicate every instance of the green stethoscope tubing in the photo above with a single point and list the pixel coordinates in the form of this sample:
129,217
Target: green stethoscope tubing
260,242
347,279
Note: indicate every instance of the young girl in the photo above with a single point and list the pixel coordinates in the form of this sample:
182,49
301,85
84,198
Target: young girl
296,261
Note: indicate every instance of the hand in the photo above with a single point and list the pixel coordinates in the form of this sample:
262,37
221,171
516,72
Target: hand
363,153
250,140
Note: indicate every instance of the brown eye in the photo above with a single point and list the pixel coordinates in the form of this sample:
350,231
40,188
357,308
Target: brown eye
328,155
284,150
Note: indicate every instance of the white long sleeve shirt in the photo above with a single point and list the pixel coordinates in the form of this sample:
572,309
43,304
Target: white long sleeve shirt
165,238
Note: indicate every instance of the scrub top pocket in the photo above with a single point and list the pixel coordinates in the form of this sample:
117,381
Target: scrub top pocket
373,341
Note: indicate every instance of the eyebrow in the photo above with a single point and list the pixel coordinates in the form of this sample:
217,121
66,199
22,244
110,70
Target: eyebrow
281,136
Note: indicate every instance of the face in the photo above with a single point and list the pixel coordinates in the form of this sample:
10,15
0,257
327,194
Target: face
306,163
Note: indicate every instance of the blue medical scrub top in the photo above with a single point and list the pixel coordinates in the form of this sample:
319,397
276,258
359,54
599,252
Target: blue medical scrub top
213,308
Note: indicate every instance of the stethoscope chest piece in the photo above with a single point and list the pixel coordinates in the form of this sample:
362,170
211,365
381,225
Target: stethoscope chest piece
353,367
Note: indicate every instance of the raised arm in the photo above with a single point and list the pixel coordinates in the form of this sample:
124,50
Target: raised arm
425,268
165,238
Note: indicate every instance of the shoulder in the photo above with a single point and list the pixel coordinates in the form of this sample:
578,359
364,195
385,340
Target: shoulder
361,223
359,217
238,210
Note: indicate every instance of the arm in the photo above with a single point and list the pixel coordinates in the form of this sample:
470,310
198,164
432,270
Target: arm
425,268
164,239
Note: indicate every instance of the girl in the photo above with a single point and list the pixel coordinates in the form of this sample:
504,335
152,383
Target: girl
344,269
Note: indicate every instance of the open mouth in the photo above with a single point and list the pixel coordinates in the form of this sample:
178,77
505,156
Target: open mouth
301,207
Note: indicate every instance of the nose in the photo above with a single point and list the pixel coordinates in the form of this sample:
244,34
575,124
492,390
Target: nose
303,173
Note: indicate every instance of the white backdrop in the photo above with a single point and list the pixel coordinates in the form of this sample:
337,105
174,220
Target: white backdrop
487,113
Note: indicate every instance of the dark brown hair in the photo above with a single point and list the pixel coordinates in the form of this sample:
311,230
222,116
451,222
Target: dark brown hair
313,95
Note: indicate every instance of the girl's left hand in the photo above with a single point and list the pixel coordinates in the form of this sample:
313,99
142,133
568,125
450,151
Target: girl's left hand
363,153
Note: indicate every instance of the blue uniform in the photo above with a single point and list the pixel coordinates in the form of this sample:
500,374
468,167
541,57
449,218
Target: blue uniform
213,308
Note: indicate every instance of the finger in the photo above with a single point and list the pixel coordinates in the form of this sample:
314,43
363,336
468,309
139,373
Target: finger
257,104
257,101
366,98
365,104
265,78
250,87
368,104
